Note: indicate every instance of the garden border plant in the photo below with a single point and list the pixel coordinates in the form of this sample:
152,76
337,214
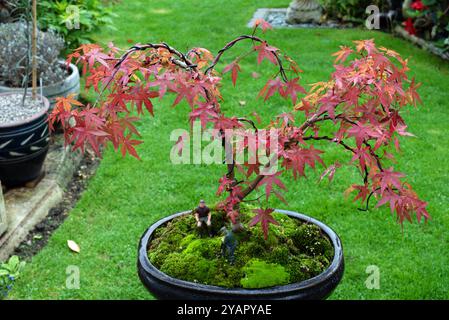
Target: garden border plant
24,131
362,101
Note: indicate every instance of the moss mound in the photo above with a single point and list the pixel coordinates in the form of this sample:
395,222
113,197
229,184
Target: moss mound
260,274
294,251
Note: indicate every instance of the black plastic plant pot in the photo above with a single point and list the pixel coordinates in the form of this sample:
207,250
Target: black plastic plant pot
165,287
23,148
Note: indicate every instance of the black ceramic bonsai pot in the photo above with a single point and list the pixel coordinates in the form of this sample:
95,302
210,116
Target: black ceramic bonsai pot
163,286
23,148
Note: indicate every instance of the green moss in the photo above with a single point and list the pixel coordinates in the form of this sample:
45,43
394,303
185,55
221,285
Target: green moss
250,248
158,256
206,248
303,267
280,254
189,267
260,274
187,240
293,252
308,239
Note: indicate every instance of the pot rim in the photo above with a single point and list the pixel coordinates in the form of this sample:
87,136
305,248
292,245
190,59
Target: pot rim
293,287
30,119
73,73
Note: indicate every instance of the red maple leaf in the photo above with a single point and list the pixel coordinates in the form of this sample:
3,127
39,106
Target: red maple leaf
84,134
413,93
223,123
128,146
364,157
343,54
392,197
225,183
291,88
187,90
271,87
266,52
362,132
389,179
328,104
164,82
269,181
234,68
97,55
264,25
142,96
286,118
306,107
205,112
265,218
330,171
363,192
296,159
119,99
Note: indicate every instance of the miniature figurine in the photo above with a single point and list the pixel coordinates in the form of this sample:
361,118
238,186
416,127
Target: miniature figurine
203,216
228,244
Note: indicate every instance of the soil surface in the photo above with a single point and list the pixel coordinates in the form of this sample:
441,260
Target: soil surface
38,237
12,109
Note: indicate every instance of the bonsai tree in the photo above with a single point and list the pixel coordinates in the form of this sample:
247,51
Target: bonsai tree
361,103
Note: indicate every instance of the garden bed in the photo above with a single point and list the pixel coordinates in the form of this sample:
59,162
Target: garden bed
38,237
35,211
426,45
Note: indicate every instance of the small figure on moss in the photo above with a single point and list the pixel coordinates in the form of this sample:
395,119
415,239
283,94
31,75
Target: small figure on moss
228,244
203,216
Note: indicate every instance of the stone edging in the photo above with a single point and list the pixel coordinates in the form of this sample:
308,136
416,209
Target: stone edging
426,45
27,207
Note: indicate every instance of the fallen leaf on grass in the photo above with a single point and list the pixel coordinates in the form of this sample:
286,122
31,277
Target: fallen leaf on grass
73,246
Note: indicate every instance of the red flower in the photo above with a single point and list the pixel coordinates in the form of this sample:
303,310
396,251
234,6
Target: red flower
418,5
409,26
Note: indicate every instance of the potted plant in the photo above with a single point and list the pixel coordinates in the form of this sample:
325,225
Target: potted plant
55,78
291,256
24,132
24,137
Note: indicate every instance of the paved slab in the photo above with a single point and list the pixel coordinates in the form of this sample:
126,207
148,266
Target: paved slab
26,207
3,221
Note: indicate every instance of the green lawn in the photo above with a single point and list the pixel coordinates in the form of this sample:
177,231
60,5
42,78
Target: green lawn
127,195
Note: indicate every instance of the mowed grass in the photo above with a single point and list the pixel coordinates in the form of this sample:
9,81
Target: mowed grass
127,195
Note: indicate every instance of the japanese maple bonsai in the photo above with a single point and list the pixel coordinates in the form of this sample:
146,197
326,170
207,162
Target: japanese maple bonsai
362,100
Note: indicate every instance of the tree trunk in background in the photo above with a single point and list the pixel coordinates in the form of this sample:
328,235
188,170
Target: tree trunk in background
304,11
